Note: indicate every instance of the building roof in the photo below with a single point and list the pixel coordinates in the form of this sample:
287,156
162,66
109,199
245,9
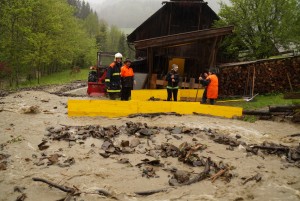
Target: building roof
157,19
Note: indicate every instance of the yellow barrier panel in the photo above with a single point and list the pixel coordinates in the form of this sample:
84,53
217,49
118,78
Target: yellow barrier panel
145,94
110,108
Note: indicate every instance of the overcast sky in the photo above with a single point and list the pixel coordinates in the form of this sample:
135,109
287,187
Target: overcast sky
133,12
212,3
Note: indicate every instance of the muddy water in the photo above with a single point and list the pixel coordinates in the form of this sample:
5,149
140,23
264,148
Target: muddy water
21,133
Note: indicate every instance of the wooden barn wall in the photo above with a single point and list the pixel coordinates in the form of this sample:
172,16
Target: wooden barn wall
269,76
196,56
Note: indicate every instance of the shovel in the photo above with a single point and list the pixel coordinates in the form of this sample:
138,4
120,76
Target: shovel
198,88
249,99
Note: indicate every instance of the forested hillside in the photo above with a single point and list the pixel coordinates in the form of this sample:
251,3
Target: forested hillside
40,37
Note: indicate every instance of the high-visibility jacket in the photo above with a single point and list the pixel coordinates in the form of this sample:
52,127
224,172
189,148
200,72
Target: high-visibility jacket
113,78
212,88
127,76
172,85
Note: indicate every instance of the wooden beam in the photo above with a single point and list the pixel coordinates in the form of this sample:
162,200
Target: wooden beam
182,38
150,56
213,53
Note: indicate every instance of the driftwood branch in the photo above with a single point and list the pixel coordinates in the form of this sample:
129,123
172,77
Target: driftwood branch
73,191
62,188
150,192
202,175
256,177
152,115
285,149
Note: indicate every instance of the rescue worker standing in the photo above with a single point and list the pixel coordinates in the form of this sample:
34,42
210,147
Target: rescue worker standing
173,80
113,79
127,80
204,83
212,87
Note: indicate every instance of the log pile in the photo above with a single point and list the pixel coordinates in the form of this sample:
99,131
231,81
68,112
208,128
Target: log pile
263,76
290,113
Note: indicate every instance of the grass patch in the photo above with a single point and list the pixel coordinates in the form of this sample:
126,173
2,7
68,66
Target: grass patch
57,78
250,118
260,102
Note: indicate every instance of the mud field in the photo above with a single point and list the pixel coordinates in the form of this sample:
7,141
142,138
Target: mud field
161,158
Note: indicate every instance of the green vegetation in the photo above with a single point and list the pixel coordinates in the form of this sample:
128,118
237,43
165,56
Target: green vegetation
39,38
261,27
58,78
260,102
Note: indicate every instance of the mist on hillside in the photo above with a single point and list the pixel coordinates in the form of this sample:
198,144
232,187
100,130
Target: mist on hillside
126,14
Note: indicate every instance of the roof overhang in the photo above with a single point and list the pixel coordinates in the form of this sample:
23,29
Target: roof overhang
182,38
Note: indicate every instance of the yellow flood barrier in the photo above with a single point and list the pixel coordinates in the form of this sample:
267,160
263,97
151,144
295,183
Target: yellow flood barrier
110,108
145,94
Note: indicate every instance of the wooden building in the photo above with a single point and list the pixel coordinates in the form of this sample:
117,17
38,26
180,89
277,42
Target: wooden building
179,32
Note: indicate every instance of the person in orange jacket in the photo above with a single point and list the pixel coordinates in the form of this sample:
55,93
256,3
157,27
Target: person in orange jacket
212,87
127,80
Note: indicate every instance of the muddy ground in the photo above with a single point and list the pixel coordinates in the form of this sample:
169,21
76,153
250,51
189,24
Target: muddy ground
120,162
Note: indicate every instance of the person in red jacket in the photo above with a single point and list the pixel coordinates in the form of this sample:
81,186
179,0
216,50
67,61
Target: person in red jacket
127,80
212,86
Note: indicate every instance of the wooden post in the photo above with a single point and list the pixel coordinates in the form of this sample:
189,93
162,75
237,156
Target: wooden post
247,83
212,56
192,83
289,81
153,81
253,81
150,65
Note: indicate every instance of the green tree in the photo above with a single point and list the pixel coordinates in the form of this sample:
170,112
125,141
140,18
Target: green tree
113,39
13,35
101,38
122,45
42,36
260,26
91,24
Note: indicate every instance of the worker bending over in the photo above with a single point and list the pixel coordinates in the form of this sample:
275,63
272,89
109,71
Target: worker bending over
212,86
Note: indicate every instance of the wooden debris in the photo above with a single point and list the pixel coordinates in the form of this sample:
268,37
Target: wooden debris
256,177
62,188
150,192
73,191
152,115
218,174
21,197
290,112
202,175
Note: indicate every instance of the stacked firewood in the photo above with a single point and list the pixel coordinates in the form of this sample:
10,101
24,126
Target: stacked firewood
264,76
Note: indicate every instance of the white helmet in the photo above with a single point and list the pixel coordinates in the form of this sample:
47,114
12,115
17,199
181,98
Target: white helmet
175,67
118,55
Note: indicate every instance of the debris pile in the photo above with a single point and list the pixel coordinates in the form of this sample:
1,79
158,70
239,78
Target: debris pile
188,153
